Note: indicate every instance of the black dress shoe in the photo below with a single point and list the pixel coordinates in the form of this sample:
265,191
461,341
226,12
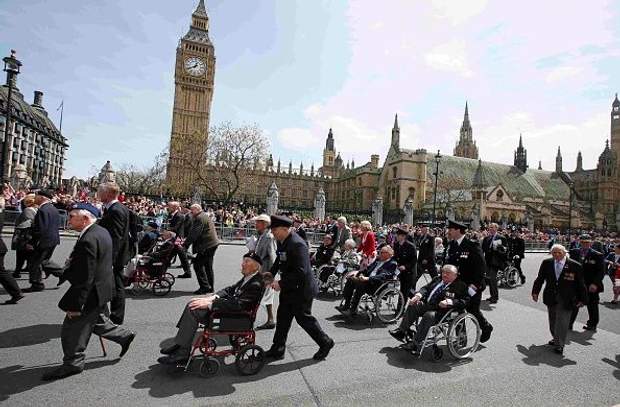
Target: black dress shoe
61,372
324,350
17,274
486,333
589,328
398,334
173,360
14,300
200,291
551,343
275,353
491,300
522,279
559,350
411,347
34,288
184,275
341,308
169,350
266,325
125,345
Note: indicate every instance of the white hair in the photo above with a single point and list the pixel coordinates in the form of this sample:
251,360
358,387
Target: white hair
451,268
558,246
365,224
196,206
342,219
85,213
350,242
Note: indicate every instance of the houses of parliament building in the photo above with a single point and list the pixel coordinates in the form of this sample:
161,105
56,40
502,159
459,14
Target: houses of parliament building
467,187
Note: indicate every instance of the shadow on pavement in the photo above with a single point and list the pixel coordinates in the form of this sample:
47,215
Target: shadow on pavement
18,379
610,305
404,359
583,338
148,295
615,364
537,355
357,323
165,381
327,297
29,335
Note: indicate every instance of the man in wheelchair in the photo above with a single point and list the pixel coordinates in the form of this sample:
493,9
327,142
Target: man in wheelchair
242,296
367,281
443,294
324,253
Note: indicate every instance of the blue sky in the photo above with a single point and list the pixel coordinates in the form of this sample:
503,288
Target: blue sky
548,70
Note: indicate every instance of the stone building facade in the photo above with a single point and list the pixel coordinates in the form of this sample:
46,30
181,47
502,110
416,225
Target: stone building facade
38,148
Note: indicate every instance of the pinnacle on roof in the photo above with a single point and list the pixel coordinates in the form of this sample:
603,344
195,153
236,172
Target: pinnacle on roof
396,122
479,181
466,116
520,140
201,10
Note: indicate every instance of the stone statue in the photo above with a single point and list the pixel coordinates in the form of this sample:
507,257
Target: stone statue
450,212
20,178
196,196
45,182
475,217
408,211
528,222
107,174
273,197
377,211
319,205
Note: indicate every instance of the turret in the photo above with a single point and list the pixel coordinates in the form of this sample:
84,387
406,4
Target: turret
558,162
396,134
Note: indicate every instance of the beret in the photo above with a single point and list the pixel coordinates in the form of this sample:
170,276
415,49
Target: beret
254,256
87,207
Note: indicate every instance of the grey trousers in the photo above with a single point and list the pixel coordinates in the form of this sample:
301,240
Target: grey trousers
559,320
429,315
188,324
76,332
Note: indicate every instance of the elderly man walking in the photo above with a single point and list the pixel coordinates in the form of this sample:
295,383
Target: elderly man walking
204,242
564,289
265,248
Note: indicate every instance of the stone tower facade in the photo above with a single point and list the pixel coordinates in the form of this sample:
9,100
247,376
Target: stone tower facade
466,147
521,156
615,126
329,156
193,78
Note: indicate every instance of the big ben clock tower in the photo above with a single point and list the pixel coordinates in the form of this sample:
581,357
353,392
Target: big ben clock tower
193,78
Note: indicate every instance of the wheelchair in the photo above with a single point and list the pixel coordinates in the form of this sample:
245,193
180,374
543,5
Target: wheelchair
332,277
150,271
459,329
238,326
509,276
387,303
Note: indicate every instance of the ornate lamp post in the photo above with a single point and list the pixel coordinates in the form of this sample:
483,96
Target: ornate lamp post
436,174
12,67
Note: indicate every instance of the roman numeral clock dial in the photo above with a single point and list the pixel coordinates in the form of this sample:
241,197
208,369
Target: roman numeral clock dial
195,66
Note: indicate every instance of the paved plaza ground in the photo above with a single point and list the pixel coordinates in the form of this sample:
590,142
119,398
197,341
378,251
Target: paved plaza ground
365,367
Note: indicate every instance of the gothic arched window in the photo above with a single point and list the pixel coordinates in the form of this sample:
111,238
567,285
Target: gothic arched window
500,196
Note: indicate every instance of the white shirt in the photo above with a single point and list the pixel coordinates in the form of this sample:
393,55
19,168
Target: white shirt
558,267
459,240
377,267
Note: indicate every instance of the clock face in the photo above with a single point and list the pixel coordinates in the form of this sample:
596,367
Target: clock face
195,66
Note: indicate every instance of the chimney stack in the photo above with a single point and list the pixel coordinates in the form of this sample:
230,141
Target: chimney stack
374,161
38,99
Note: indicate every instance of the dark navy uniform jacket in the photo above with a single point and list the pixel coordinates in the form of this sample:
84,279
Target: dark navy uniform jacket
297,282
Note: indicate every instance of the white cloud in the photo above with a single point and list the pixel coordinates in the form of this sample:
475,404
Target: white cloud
297,139
458,11
562,73
449,57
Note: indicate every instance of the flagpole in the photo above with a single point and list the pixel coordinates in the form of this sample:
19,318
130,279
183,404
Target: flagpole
62,108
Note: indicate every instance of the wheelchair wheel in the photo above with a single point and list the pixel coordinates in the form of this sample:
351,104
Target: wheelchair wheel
171,279
208,346
463,336
389,305
437,353
209,367
512,277
161,287
250,360
139,287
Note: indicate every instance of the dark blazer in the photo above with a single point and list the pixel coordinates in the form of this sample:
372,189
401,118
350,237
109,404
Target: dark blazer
593,265
469,260
177,224
571,287
387,271
89,272
495,256
516,247
426,252
202,235
45,232
239,297
406,255
116,221
456,291
187,224
301,232
297,281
